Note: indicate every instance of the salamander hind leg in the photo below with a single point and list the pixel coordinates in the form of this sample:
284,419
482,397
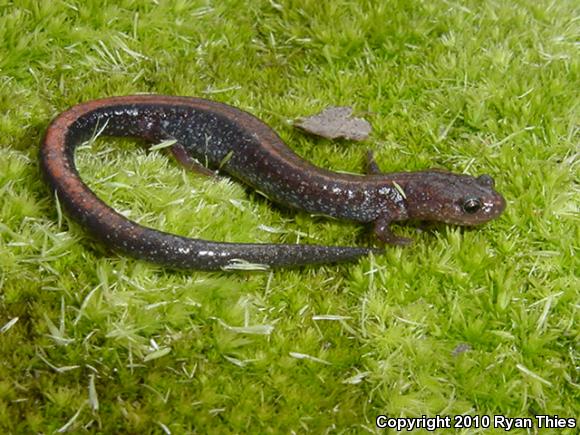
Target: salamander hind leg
184,157
384,234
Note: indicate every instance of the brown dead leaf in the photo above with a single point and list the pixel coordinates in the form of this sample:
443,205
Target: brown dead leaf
334,123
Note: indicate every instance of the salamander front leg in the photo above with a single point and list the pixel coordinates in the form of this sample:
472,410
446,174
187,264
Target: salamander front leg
383,232
372,167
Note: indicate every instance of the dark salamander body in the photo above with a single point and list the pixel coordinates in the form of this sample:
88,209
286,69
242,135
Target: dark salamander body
247,149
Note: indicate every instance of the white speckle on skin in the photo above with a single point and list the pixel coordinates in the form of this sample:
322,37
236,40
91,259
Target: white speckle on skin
212,254
125,111
183,250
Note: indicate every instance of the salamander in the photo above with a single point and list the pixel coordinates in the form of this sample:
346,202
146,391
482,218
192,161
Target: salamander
241,145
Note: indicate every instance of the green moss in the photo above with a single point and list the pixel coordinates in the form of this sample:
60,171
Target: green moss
477,321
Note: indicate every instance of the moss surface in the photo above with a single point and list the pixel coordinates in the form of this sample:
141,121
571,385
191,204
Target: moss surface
463,322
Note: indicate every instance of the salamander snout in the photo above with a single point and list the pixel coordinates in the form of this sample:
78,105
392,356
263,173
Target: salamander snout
455,198
478,201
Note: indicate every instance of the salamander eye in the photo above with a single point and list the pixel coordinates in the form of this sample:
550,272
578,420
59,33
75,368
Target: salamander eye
471,205
486,180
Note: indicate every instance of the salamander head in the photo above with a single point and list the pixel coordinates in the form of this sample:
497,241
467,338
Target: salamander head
453,198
